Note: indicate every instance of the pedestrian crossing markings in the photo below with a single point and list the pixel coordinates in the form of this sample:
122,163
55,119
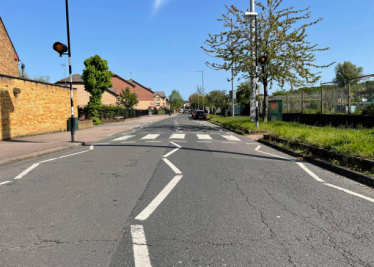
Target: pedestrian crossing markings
178,136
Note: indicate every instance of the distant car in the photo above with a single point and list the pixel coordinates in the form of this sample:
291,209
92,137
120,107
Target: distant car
200,114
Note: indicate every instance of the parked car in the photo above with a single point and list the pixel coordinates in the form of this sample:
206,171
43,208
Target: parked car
200,114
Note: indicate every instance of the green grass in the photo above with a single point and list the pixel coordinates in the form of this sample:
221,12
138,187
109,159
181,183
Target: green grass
345,141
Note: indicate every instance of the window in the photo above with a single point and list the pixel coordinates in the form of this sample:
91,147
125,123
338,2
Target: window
163,104
158,104
157,99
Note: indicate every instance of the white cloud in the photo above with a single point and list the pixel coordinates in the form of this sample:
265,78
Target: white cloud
157,5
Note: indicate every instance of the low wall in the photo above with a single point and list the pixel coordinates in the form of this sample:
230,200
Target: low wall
85,124
30,107
330,119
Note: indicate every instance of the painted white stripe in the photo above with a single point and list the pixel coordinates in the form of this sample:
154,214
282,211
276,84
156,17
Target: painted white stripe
97,144
150,136
122,138
73,154
171,152
350,192
91,147
158,200
180,141
257,149
177,136
6,182
129,142
47,160
171,165
230,138
204,136
27,171
310,172
139,243
176,144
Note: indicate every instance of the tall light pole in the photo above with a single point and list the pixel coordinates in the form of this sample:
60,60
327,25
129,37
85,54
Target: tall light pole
62,49
232,81
252,16
202,86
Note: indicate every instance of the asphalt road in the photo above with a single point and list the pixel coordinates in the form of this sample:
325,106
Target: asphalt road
181,192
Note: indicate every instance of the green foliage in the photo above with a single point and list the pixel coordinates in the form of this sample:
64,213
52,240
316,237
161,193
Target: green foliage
346,71
96,78
176,100
219,99
127,99
193,100
42,78
281,37
96,120
368,110
243,93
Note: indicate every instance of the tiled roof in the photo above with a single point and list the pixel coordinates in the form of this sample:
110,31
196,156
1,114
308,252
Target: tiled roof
77,78
160,93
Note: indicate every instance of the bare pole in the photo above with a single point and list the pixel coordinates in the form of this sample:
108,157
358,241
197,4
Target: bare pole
202,89
72,121
232,79
253,54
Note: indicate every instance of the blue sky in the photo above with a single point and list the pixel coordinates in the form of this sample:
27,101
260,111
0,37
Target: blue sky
159,40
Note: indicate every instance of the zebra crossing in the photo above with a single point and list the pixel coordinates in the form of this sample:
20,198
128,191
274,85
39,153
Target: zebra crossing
200,137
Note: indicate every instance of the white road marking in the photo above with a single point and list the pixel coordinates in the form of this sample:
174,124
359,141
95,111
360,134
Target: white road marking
139,243
47,160
258,147
150,136
171,152
180,141
6,182
176,144
122,138
73,154
310,172
350,192
27,171
96,144
177,136
91,147
231,138
171,165
129,142
144,215
204,137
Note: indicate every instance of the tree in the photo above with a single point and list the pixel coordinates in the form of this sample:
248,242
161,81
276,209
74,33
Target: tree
219,99
127,99
176,100
281,38
42,78
346,71
193,100
243,93
96,79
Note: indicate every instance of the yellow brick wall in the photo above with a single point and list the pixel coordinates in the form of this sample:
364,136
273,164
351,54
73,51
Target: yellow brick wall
143,105
8,64
108,99
39,108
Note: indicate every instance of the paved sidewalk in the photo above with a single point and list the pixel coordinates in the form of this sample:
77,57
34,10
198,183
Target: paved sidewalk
32,146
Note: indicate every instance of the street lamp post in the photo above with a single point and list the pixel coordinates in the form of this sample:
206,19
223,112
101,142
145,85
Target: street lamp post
202,86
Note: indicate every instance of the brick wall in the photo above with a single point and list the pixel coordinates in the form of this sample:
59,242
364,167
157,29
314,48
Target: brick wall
8,64
38,108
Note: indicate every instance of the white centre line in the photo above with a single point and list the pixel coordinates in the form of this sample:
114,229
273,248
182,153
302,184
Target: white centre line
47,160
122,138
91,147
258,147
177,144
171,165
150,136
144,215
139,243
27,171
129,142
6,182
73,154
350,192
171,152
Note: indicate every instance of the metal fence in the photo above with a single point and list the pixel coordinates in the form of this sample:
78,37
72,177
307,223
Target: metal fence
331,99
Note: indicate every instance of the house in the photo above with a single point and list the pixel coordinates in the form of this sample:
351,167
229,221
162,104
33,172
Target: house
109,97
160,100
8,54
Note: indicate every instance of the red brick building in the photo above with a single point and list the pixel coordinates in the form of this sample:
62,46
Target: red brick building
145,95
8,54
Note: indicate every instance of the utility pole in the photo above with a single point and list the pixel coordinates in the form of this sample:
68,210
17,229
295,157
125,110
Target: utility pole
232,80
252,15
202,89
